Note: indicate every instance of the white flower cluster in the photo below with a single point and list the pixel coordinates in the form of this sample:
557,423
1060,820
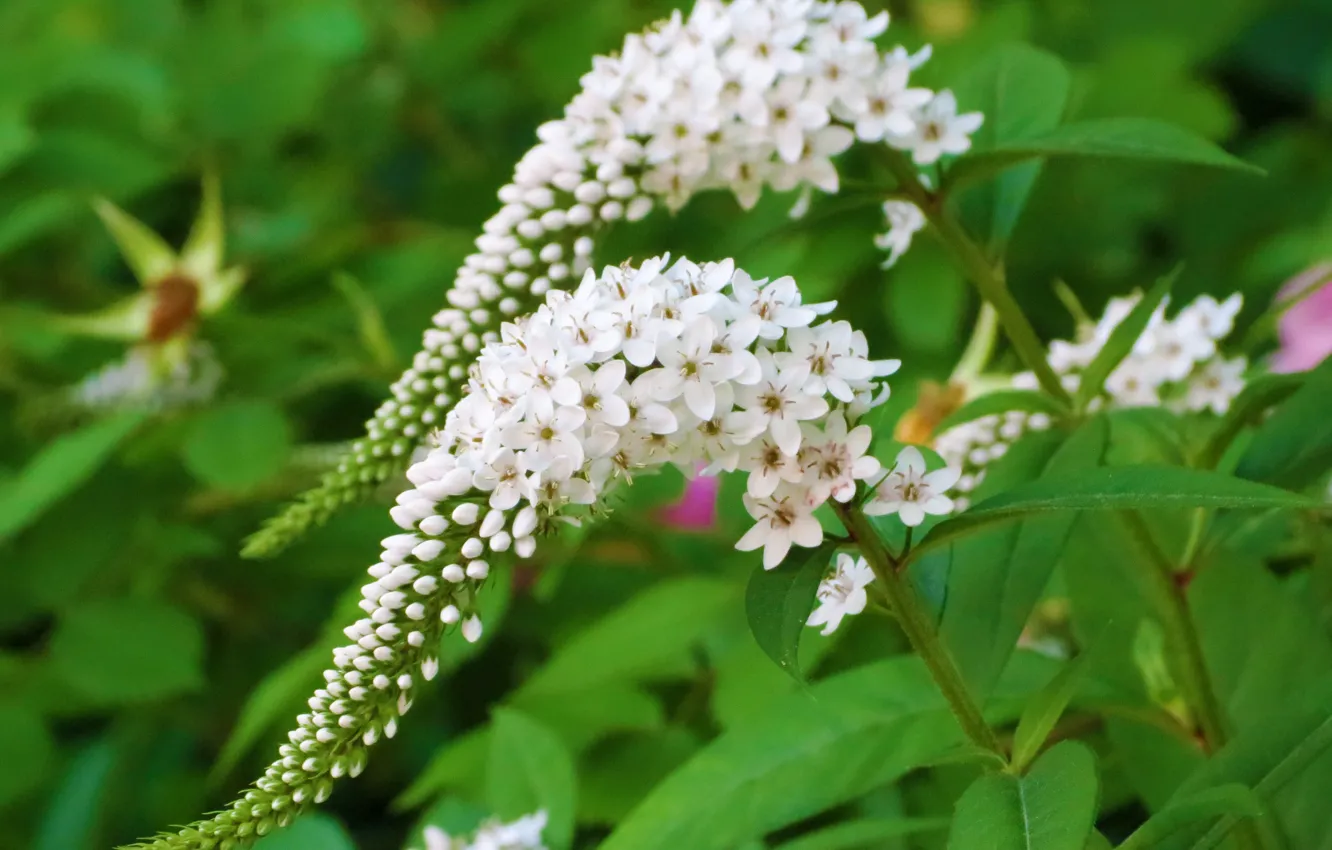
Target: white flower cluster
145,379
736,96
640,367
1175,363
522,834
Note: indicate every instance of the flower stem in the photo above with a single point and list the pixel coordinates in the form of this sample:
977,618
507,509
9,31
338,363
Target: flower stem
987,277
919,628
1184,653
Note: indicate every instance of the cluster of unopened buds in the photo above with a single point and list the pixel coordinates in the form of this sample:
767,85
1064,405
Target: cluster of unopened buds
739,96
522,834
667,363
1175,363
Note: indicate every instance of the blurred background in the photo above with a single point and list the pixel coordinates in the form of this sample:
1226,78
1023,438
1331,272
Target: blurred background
146,672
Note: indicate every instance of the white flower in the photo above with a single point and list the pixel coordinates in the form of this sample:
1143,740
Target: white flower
505,478
940,131
841,594
1216,385
905,220
1213,318
600,399
777,404
782,519
837,458
768,467
792,114
911,492
547,434
890,107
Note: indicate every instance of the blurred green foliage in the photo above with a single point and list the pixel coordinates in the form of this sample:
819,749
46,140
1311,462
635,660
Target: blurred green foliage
360,145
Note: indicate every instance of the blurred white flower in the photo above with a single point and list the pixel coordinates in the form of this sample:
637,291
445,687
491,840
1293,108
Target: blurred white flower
905,220
911,491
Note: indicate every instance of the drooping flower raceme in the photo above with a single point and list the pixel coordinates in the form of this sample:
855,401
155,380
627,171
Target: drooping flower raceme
1175,363
740,96
637,368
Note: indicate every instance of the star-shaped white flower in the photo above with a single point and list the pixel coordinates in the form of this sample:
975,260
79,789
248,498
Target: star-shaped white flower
782,520
911,492
841,594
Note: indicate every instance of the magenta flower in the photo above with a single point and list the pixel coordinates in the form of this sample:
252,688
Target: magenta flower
1305,330
697,508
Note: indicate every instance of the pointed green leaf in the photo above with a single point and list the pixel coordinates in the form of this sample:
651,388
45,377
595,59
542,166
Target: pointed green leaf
1022,92
1108,138
807,752
1053,807
60,467
1044,710
657,626
1258,396
147,254
27,749
1112,489
369,321
529,770
1121,342
862,834
997,577
1000,402
1206,805
275,700
778,602
1294,446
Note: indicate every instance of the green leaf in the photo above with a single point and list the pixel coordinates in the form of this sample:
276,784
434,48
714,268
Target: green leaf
1258,396
778,602
1044,710
1265,758
1121,342
809,751
863,834
632,642
316,831
238,445
1205,805
127,650
1294,446
454,765
270,703
617,775
60,467
1022,92
529,769
1108,138
26,750
1053,807
72,818
1000,402
998,576
1112,489
369,321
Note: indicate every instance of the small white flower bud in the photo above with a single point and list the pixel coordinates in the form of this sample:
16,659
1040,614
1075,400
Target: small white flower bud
405,680
523,547
452,573
416,638
466,513
472,547
425,585
450,615
471,629
429,550
429,668
478,570
415,611
501,542
493,522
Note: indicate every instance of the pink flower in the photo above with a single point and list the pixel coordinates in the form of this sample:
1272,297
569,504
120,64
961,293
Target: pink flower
1306,328
697,508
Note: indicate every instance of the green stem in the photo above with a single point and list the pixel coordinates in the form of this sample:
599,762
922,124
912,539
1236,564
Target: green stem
919,628
987,277
1156,575
979,347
